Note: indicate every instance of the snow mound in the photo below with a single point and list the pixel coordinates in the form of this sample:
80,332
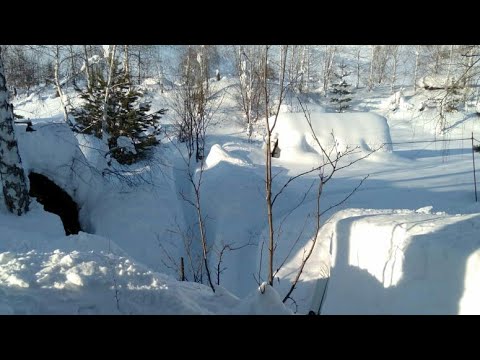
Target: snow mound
404,262
432,82
45,272
397,102
264,301
368,131
94,150
53,151
218,154
295,107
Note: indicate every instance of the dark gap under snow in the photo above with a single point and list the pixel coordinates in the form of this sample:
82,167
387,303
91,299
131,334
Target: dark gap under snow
55,200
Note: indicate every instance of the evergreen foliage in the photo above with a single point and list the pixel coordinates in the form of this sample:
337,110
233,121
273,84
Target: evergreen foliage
127,116
341,90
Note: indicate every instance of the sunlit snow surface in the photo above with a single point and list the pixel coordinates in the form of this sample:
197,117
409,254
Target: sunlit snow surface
404,243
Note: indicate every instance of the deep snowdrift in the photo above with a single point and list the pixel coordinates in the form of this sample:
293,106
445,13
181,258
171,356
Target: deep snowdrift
53,151
44,272
403,262
398,266
368,131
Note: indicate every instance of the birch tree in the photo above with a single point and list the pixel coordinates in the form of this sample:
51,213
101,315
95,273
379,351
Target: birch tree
14,184
110,57
394,53
249,87
269,128
328,60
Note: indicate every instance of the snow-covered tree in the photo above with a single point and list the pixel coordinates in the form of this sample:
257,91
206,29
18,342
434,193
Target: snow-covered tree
114,107
341,90
14,184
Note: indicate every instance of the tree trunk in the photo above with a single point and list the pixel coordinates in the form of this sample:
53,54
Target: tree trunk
394,70
105,134
88,73
268,174
72,65
139,68
358,67
126,61
372,60
415,73
59,86
14,184
449,69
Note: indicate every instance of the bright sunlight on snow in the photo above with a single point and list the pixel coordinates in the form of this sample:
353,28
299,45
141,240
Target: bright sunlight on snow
372,189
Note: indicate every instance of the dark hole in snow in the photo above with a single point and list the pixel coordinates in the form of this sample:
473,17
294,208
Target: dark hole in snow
56,201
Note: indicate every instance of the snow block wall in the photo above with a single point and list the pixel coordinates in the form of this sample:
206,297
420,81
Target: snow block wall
404,262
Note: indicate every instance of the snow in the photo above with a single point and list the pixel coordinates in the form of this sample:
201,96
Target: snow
53,151
435,81
266,301
127,144
218,154
403,262
48,273
405,242
366,130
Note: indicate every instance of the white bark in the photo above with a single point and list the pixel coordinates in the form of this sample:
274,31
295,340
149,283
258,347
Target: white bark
14,185
359,49
395,50
88,74
372,61
111,54
126,61
63,99
415,73
449,68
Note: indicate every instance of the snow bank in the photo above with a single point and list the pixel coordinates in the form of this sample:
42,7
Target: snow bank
264,301
234,208
432,82
403,262
94,150
369,131
218,154
44,272
397,102
53,150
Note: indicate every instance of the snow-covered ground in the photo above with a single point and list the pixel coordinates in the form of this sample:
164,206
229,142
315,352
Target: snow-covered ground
403,243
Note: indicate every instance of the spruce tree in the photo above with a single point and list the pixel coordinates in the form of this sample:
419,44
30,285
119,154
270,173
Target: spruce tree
131,127
341,90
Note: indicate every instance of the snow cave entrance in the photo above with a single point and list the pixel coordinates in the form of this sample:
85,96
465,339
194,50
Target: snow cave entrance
55,200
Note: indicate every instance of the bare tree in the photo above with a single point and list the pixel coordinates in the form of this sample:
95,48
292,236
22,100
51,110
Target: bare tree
415,71
248,64
58,85
126,60
269,128
109,55
193,101
394,51
328,65
86,66
60,55
358,52
194,178
371,81
330,159
22,68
